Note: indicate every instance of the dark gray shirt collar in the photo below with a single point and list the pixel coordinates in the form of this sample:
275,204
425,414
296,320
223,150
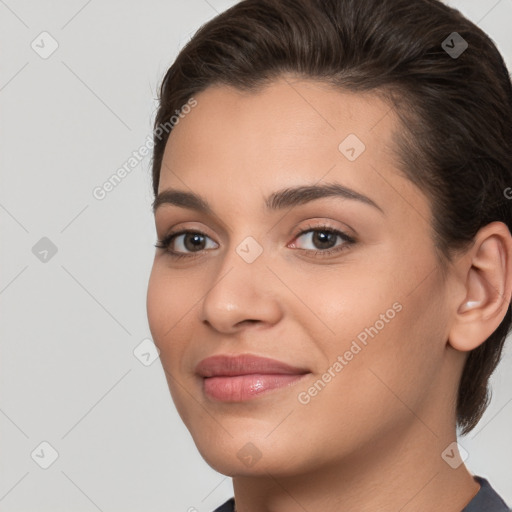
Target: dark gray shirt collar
485,500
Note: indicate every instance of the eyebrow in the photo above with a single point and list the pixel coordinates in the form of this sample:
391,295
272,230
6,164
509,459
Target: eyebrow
279,200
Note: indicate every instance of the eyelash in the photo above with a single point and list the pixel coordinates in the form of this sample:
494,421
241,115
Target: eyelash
349,241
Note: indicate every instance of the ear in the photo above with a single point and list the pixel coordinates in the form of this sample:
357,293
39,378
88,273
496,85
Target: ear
485,273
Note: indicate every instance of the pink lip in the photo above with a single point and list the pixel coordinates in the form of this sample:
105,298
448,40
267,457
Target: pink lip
238,378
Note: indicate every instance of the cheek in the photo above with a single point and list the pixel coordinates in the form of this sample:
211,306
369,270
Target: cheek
403,351
336,304
156,304
390,321
167,306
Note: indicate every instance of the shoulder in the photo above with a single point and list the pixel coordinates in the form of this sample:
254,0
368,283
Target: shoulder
228,506
486,499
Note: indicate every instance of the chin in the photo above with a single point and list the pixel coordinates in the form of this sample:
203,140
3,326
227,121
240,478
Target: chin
240,456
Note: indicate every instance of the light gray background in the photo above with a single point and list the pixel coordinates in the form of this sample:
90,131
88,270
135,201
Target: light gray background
69,326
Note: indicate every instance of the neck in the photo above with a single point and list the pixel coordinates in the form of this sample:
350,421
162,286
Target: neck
399,471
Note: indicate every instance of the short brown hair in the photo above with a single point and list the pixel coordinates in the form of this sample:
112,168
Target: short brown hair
456,110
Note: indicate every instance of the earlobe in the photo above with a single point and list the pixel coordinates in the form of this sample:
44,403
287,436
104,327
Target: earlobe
487,289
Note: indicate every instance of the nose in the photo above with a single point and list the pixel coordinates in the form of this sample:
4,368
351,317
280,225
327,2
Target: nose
241,294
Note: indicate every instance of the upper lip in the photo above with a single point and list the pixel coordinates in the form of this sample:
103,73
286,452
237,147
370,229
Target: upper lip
244,364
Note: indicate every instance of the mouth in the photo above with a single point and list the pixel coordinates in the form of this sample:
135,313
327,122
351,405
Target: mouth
245,377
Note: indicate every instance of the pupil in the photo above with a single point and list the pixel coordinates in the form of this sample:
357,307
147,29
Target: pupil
322,236
197,238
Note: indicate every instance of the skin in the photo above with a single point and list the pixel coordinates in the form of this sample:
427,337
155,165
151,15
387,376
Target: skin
372,438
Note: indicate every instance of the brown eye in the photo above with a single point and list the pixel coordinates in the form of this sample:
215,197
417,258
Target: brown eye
322,240
184,242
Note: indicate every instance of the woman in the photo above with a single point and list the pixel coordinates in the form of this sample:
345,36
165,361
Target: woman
331,289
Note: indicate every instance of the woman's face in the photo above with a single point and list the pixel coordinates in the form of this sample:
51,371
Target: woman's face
360,311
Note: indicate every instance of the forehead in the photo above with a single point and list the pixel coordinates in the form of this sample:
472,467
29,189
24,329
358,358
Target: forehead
290,132
284,118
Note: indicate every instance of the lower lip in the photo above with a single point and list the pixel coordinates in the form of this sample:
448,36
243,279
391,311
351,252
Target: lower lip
246,387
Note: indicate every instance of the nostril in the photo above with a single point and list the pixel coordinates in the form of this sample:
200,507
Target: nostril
250,321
